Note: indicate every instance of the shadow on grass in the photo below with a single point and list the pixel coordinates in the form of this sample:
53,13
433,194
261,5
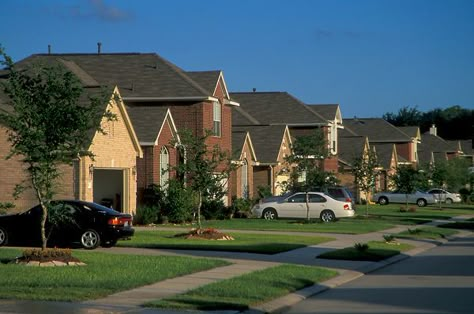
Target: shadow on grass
466,225
352,254
198,304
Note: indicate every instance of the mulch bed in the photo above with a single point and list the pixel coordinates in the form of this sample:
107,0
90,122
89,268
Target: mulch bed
205,234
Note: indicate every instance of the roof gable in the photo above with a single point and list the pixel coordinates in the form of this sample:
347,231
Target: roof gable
376,129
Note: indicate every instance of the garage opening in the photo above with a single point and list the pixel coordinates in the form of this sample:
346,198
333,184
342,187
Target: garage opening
109,188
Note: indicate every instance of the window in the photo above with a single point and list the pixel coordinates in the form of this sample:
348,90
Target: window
316,198
216,117
244,180
298,198
164,166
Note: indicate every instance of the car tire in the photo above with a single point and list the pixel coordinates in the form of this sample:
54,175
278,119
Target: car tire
327,215
449,201
421,202
3,236
109,244
383,200
269,214
90,239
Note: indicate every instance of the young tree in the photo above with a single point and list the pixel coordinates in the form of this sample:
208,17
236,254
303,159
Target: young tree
365,172
204,169
46,125
407,179
308,153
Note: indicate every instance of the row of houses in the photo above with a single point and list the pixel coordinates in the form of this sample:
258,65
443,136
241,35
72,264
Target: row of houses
154,100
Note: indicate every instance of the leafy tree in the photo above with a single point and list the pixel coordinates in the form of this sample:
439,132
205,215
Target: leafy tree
365,171
406,117
407,179
47,126
205,169
308,153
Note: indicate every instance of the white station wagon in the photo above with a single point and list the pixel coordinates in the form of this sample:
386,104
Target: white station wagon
294,206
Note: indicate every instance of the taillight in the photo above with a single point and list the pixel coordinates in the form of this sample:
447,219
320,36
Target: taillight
118,221
346,207
348,199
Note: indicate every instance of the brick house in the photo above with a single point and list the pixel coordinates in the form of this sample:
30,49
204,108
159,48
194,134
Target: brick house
244,156
108,178
156,131
197,101
261,112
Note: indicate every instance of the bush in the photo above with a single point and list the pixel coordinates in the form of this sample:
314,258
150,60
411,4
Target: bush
215,209
146,215
240,208
4,207
178,205
361,247
264,192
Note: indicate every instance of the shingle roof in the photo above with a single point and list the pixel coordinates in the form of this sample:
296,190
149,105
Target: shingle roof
238,140
376,129
136,74
350,148
328,112
207,79
266,141
147,121
384,153
411,131
435,144
275,108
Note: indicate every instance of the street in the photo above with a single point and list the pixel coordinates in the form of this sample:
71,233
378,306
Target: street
440,280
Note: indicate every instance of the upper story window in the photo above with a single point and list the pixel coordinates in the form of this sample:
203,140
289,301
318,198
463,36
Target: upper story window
216,117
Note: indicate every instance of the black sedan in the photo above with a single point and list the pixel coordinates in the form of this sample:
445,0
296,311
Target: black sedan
70,223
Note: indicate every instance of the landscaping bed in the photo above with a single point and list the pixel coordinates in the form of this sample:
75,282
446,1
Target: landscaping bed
373,251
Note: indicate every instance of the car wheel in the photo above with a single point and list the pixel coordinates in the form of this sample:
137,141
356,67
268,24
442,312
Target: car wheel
3,237
383,200
109,243
90,239
421,202
449,201
269,214
327,215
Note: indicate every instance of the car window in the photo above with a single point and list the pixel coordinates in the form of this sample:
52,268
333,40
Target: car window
298,198
316,198
336,193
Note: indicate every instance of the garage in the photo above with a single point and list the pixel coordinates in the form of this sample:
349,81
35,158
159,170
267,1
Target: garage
109,188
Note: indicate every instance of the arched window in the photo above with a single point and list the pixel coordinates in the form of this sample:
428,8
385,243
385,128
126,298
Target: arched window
164,166
244,179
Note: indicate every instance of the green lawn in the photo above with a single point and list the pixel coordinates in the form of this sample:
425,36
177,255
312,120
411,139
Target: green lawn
104,274
243,242
376,251
240,293
426,233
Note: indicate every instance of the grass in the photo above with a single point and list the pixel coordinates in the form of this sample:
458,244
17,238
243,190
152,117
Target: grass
252,243
241,292
375,252
433,233
104,274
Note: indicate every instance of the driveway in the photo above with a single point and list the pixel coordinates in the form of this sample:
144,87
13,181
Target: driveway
440,280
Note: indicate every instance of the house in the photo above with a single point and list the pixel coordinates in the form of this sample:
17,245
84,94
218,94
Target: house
197,101
156,132
272,109
271,145
244,156
435,149
380,131
109,178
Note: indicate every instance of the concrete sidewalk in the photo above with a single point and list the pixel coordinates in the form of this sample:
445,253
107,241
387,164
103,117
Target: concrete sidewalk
243,263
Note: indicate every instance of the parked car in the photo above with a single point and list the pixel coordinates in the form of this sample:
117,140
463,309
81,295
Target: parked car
294,206
339,193
419,198
89,225
444,196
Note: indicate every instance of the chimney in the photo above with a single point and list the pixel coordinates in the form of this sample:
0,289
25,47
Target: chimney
99,45
254,89
49,49
433,130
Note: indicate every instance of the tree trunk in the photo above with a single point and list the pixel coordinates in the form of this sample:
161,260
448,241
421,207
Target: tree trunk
307,206
199,209
44,216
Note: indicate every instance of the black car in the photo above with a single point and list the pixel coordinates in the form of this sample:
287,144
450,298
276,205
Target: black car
84,223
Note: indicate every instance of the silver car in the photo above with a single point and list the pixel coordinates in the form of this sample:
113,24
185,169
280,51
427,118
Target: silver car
445,196
294,206
419,198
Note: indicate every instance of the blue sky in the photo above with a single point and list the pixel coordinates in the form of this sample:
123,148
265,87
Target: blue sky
371,57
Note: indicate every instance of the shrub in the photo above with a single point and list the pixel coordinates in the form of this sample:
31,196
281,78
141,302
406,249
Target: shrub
240,207
263,192
388,238
4,207
178,205
414,231
361,247
153,195
214,209
146,215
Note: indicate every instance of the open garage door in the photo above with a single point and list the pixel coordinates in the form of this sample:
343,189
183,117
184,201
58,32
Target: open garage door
109,188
